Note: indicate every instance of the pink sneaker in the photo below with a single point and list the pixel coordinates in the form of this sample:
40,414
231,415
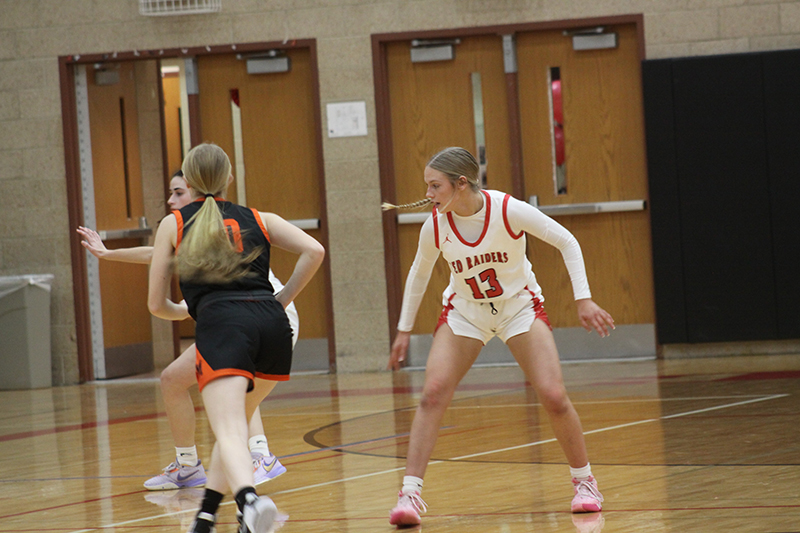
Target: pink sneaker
406,512
587,498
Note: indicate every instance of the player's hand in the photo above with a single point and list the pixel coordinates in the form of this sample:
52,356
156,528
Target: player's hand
399,350
91,241
594,317
282,301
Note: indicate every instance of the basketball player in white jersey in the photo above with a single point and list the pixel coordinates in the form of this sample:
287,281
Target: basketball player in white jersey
492,291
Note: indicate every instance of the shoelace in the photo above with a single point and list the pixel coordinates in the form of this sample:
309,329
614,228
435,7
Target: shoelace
415,500
172,467
584,486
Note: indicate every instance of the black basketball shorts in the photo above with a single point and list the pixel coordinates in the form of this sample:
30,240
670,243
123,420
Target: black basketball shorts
242,334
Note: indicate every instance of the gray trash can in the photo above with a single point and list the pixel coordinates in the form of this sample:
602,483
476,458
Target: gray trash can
25,357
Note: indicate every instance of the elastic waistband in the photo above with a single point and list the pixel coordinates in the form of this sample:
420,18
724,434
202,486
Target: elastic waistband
233,296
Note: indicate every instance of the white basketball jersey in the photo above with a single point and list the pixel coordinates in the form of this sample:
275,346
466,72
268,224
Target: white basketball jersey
495,266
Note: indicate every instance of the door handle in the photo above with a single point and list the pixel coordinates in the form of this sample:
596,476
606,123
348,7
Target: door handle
413,218
588,208
131,233
305,223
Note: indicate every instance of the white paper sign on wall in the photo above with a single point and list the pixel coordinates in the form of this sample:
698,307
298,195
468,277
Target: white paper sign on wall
347,119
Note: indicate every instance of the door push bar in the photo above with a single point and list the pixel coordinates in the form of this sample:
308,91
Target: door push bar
588,208
132,233
144,232
306,223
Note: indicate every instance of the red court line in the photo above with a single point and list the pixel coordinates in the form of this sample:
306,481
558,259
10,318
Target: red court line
84,425
390,390
311,460
289,395
69,505
427,516
784,374
74,427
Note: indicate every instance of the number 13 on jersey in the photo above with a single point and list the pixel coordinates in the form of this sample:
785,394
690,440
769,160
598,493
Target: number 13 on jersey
487,277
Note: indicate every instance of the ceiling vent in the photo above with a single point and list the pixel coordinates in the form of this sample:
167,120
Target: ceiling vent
178,7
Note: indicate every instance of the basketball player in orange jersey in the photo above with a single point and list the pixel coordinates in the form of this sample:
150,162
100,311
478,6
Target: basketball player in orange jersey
221,253
492,291
187,470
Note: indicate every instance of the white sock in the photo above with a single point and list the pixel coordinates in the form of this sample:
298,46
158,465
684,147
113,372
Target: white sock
581,473
412,484
186,456
258,444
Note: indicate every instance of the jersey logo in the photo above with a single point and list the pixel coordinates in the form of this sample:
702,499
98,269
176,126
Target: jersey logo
447,239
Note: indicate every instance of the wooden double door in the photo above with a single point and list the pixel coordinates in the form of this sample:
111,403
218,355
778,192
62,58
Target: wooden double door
273,140
503,111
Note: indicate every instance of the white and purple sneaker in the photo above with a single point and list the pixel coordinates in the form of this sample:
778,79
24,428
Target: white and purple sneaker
178,476
266,467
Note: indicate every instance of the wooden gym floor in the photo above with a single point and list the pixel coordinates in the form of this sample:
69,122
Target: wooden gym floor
696,445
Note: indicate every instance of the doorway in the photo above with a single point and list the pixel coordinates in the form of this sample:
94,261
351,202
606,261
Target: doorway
182,120
491,90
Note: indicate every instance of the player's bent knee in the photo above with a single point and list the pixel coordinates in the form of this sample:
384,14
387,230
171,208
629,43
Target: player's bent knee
435,396
173,379
555,401
168,376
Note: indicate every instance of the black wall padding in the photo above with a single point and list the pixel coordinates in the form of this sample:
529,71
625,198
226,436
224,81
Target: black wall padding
665,220
723,149
782,108
725,205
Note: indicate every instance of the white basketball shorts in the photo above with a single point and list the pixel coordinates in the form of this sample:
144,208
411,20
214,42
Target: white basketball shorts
482,321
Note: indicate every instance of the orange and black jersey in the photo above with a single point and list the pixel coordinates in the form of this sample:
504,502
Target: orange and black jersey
246,230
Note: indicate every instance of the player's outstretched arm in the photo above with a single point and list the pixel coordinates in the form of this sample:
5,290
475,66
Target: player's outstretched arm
91,240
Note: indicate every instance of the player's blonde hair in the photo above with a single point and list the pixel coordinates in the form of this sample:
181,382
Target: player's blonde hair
453,162
419,203
206,254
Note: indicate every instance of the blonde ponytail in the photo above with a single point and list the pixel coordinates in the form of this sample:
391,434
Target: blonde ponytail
206,254
386,206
